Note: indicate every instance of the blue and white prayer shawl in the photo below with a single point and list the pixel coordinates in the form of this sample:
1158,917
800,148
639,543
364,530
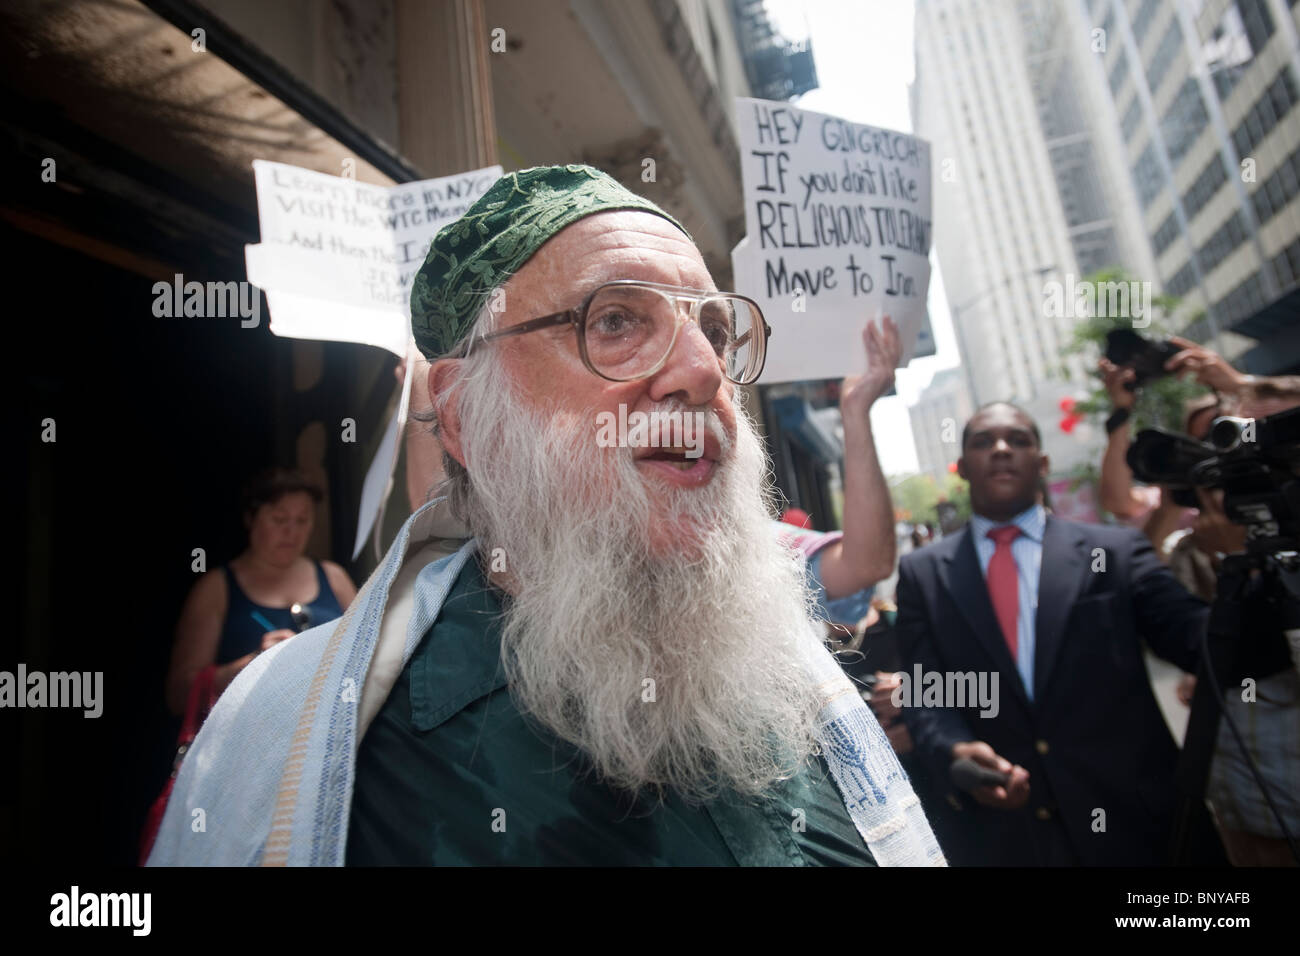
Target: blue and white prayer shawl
268,781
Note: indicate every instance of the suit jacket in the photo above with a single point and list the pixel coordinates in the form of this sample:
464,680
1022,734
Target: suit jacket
1099,754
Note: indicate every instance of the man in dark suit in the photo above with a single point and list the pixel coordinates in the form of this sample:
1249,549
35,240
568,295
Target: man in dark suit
1053,611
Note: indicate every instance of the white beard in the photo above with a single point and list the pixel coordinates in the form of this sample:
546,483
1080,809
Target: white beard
719,625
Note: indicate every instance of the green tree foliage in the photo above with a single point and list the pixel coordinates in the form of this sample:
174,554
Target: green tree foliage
916,497
957,491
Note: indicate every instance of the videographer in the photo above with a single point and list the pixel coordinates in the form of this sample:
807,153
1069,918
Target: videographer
1269,720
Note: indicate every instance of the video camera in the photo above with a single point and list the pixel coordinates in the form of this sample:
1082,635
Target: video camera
1255,461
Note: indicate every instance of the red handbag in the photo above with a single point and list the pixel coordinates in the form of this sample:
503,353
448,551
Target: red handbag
196,711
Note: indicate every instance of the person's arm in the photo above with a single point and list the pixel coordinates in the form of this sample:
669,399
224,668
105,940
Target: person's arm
345,592
935,731
1162,522
890,714
1171,619
198,633
1213,533
866,553
1209,367
1115,489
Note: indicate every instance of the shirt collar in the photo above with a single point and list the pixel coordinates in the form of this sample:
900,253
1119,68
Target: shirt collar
1031,523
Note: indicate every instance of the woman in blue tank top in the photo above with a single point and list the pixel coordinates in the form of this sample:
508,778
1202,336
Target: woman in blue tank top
269,593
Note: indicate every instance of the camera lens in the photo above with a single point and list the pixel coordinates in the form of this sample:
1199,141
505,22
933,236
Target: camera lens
1225,434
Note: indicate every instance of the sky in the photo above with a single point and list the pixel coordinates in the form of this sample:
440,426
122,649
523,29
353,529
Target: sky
863,52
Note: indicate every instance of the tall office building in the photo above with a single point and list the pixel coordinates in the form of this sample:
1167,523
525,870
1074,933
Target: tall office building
1159,136
1206,97
937,419
1027,192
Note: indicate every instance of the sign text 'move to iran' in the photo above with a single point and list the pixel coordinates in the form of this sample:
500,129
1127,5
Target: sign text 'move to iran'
837,218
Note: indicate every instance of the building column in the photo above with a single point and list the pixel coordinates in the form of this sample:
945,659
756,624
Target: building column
444,86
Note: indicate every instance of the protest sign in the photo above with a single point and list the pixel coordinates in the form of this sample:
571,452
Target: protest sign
837,230
337,257
336,262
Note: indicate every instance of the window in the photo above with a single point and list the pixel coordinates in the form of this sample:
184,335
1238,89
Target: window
1259,25
1163,58
1166,234
1184,121
1282,94
1224,81
1222,244
1146,176
1182,281
1142,19
1272,195
1228,50
1117,73
1286,266
1132,116
1244,300
1202,190
1265,114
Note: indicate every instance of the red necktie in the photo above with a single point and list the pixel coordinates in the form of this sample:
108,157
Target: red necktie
1003,583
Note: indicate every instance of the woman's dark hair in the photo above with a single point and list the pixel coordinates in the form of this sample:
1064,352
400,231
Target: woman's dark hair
269,486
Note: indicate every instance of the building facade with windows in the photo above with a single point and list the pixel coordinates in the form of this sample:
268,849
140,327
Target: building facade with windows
1206,96
1028,192
1161,137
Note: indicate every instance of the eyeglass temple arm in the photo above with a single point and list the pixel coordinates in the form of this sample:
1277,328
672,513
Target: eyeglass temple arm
532,325
740,342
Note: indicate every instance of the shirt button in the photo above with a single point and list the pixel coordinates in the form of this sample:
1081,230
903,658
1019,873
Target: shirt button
1043,813
1041,746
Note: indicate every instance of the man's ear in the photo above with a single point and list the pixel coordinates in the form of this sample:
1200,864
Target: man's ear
961,468
1043,466
444,376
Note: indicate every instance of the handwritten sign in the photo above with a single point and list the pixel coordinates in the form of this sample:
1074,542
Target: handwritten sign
837,223
337,257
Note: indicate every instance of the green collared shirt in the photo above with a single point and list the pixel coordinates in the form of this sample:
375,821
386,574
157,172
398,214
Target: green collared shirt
450,773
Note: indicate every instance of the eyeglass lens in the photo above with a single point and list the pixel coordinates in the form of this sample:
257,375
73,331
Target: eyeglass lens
629,331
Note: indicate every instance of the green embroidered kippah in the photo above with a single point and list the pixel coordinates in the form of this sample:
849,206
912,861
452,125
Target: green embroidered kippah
499,233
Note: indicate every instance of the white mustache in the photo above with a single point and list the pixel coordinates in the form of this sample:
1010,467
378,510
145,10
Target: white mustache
666,414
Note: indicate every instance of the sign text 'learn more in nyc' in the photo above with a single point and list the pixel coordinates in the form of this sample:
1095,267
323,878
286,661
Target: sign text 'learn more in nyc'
337,256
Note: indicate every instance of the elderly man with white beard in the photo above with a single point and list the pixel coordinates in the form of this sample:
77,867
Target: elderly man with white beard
623,665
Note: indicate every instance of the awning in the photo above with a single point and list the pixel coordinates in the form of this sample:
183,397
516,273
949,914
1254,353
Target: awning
1280,315
1278,352
797,420
137,120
